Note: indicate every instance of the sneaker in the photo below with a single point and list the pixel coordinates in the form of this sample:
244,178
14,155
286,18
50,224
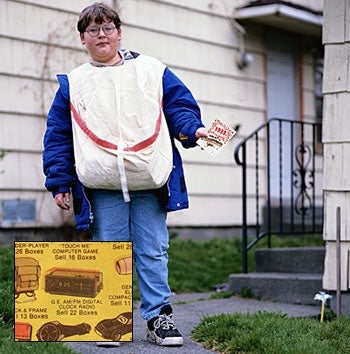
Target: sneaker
108,344
162,330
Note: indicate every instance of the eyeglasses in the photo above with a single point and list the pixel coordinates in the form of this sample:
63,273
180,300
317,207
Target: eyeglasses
95,31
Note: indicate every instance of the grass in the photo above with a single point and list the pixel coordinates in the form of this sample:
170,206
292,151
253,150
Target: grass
194,266
273,333
198,266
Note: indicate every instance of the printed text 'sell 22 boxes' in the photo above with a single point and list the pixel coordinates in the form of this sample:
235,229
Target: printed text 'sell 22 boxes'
73,291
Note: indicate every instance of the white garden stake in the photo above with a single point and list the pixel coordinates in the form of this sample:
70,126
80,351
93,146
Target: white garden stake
323,297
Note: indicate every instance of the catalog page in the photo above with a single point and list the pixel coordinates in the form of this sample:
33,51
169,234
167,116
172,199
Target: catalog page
73,291
219,134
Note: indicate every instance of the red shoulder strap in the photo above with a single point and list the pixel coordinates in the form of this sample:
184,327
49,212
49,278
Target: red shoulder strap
106,144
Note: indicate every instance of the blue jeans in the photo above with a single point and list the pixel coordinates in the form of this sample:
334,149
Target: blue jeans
142,221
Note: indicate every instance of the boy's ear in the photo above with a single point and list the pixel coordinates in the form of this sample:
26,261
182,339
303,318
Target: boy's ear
82,38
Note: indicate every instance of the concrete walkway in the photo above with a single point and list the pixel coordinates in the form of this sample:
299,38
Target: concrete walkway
189,309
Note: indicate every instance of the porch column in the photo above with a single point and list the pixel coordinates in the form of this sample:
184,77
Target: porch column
336,139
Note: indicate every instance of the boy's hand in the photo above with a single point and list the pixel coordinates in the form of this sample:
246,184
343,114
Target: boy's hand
201,132
62,200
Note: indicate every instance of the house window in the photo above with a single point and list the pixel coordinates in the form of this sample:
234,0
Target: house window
18,211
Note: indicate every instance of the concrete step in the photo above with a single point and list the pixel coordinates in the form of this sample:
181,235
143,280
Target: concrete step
293,288
290,260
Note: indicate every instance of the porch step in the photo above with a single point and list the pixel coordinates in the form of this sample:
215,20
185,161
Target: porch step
293,288
289,275
290,260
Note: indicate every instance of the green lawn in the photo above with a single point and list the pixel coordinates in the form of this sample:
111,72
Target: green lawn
272,333
196,266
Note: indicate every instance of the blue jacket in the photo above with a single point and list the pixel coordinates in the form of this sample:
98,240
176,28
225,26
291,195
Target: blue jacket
183,117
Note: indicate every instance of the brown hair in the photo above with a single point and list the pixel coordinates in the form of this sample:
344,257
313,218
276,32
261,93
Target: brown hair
98,12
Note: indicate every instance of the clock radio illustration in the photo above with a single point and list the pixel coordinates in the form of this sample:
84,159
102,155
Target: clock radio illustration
74,282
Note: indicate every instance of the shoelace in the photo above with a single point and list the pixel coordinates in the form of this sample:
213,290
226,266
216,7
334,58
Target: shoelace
164,322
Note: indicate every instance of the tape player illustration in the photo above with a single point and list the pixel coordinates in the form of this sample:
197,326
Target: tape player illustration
27,274
74,282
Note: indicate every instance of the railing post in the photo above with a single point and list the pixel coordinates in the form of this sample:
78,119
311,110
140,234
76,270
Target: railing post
338,265
268,186
244,211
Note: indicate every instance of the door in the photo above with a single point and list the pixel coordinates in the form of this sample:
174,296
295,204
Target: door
282,102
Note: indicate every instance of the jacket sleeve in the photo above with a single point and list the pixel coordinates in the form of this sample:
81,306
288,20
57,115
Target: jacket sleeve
180,109
58,155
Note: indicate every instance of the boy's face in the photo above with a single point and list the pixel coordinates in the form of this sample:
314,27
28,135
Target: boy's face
102,47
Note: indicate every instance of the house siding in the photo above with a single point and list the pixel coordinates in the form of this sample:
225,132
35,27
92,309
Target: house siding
197,39
336,140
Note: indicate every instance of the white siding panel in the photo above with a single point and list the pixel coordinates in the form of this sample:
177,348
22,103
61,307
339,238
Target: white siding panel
21,171
21,132
346,167
336,163
336,73
199,5
215,211
223,180
220,7
27,96
24,14
347,21
38,60
333,200
336,151
76,5
330,271
203,211
192,54
182,22
252,182
54,27
333,164
210,88
335,127
334,12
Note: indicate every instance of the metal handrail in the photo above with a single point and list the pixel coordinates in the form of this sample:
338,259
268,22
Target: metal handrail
296,207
